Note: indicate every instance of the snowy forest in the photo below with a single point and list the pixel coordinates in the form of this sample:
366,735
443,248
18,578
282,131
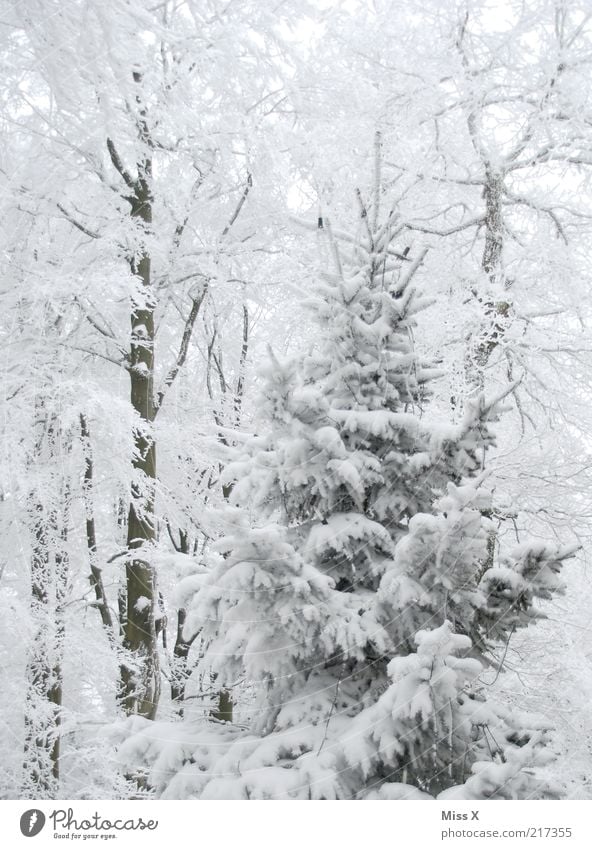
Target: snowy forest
296,333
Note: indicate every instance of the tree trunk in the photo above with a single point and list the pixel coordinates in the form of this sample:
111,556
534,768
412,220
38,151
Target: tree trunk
141,679
114,633
496,308
223,710
49,580
495,305
96,576
180,670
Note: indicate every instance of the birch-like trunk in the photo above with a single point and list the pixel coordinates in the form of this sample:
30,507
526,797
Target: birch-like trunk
494,301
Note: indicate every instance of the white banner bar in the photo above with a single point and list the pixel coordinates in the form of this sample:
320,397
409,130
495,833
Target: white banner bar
292,825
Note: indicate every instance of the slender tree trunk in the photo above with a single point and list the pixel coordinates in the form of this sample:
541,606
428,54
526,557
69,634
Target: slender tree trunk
225,706
114,634
122,512
140,684
96,576
55,694
39,716
495,305
141,679
492,251
180,669
43,703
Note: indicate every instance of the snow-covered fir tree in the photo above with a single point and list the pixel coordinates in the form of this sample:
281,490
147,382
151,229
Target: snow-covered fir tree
354,589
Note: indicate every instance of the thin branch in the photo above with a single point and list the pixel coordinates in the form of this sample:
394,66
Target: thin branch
172,538
119,554
107,333
547,155
334,249
455,180
240,384
501,663
377,178
410,273
183,348
332,708
77,224
104,331
346,237
219,368
109,359
95,577
119,166
180,228
474,222
545,209
364,217
472,114
239,205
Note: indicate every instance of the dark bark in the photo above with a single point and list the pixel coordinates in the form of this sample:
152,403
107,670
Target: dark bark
180,668
141,679
140,683
223,710
495,308
492,251
96,576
